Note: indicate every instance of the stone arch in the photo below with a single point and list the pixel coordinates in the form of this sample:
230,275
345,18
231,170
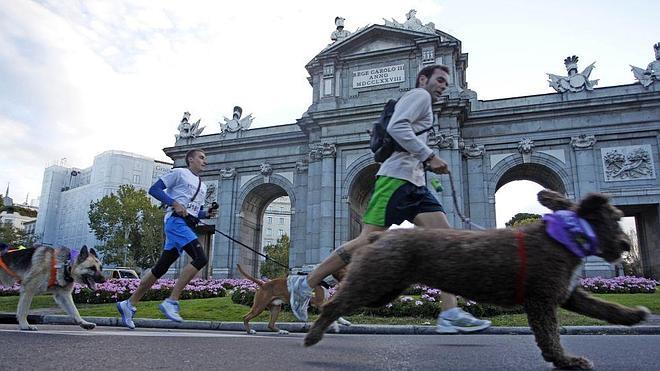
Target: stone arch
543,169
358,187
252,201
546,170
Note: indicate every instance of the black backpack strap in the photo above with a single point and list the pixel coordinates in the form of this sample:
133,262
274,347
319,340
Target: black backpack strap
197,191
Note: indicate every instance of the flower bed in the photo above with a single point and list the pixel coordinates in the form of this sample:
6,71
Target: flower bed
113,290
619,285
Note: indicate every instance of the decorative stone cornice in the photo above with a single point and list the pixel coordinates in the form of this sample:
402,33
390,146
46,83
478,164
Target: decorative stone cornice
228,173
320,151
445,141
583,141
265,169
525,146
473,151
302,166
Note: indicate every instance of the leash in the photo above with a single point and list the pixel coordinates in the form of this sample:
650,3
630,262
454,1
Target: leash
194,221
467,221
244,245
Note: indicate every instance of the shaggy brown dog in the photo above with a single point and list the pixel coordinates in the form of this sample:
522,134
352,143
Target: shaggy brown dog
486,266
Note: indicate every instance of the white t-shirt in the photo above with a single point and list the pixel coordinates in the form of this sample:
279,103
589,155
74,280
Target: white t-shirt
181,184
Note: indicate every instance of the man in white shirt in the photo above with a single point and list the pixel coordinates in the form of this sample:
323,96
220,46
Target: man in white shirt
184,193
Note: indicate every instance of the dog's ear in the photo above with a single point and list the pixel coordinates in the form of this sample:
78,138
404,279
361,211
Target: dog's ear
592,202
554,201
83,254
93,252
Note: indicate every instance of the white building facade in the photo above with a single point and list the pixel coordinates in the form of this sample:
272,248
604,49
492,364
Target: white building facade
277,221
67,192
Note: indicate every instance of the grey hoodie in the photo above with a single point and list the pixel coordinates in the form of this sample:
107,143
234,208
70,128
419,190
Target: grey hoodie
412,113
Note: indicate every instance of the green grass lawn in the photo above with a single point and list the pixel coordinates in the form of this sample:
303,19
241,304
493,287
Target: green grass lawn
223,309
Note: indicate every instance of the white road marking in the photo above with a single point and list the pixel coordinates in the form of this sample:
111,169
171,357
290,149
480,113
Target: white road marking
148,333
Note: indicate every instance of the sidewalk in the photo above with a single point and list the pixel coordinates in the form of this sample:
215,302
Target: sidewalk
650,327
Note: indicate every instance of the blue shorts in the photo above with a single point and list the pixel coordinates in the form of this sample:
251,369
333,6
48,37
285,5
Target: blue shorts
177,234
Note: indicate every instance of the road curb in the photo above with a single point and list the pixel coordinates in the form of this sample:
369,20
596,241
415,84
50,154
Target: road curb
49,319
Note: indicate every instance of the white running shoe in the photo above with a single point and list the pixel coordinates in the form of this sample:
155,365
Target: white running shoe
127,312
458,320
300,296
171,310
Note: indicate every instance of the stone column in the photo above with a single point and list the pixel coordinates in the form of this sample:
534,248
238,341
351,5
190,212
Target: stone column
320,202
584,168
327,221
299,224
223,258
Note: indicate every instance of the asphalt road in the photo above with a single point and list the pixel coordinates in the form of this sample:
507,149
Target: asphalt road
59,347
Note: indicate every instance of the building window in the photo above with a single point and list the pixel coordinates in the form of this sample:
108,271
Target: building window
327,87
280,232
328,70
270,220
269,231
428,55
136,179
281,220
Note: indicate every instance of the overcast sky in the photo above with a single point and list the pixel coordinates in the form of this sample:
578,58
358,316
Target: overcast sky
81,77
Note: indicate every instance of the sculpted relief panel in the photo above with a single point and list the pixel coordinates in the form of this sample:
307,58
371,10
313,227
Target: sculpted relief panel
628,163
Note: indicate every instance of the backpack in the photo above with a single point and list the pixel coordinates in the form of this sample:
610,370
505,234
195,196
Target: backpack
381,142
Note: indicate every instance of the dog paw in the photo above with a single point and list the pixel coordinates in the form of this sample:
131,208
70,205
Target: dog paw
251,332
575,363
27,328
343,322
283,332
644,313
334,327
88,325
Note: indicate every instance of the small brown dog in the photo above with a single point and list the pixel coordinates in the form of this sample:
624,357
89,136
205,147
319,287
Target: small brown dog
271,295
503,267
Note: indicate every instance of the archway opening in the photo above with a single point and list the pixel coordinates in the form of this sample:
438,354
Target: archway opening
265,201
516,191
275,234
358,197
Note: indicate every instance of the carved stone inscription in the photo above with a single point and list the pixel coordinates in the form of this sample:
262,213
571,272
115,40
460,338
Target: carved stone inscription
379,76
628,163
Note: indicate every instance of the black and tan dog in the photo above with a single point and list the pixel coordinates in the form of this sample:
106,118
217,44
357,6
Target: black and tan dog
272,294
503,267
53,270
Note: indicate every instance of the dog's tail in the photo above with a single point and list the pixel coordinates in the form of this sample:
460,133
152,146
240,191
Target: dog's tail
258,282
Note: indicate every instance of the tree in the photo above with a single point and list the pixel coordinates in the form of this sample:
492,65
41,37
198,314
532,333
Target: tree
522,219
632,260
15,237
278,252
129,226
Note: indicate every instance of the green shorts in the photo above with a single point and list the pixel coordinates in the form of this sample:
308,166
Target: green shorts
395,200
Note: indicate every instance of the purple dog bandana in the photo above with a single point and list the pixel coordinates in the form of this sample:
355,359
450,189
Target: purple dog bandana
573,232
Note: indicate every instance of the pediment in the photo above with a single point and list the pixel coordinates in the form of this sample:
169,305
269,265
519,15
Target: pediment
376,38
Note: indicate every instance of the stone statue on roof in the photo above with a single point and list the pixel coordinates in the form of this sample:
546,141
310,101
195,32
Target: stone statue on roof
412,23
340,33
236,123
188,130
651,74
575,81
